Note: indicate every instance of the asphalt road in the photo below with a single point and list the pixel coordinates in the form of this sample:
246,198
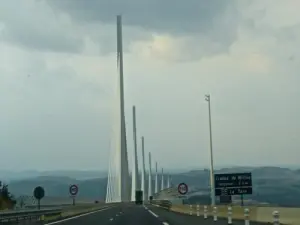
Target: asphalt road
118,215
140,215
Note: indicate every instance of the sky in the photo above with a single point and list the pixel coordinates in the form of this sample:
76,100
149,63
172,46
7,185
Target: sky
58,70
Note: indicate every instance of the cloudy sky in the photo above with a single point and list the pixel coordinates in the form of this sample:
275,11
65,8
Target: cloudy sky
58,73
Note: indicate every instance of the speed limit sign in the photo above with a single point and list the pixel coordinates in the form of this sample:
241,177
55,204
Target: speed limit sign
182,188
73,189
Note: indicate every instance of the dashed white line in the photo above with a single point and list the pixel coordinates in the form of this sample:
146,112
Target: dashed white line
152,213
165,223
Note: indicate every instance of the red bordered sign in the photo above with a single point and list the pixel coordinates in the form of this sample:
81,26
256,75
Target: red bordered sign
183,188
73,189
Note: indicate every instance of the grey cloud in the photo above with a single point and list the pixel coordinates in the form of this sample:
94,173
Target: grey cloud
288,33
212,24
34,26
215,20
41,41
169,15
53,116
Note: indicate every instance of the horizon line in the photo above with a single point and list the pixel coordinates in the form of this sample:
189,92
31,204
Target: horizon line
167,169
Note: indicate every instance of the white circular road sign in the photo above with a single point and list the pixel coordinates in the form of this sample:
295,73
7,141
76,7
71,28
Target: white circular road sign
73,189
183,188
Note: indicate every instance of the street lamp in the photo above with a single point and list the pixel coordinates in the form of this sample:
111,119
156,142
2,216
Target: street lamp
212,179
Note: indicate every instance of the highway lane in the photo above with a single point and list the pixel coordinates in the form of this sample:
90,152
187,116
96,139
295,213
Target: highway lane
102,216
90,218
123,214
137,215
174,218
130,214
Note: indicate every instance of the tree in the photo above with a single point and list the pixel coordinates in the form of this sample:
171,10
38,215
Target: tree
4,192
7,200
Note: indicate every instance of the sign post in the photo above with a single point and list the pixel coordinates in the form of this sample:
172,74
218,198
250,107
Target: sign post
39,193
182,190
233,184
73,190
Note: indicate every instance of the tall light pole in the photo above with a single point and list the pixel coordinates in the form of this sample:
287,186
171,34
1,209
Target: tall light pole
212,179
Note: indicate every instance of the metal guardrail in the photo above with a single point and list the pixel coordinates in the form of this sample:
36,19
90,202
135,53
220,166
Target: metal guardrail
19,215
162,203
59,205
35,214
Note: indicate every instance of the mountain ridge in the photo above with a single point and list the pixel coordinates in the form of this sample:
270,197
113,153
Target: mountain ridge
275,185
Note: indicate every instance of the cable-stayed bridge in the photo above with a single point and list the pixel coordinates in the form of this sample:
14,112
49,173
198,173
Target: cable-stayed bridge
120,186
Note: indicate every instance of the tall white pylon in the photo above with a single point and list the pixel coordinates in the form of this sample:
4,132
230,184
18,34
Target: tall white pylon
169,183
134,178
108,188
162,179
156,179
143,171
150,177
118,189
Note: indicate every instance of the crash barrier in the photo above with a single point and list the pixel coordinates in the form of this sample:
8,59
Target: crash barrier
21,215
162,203
46,214
78,204
276,216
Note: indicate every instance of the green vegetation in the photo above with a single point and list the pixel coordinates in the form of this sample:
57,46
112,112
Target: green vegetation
7,200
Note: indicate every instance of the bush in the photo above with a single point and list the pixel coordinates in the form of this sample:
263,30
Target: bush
7,200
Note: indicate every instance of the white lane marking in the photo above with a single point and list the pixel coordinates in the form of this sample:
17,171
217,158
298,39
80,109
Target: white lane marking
75,217
165,223
111,219
152,213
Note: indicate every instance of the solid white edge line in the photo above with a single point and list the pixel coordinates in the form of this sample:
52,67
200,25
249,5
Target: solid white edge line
75,217
152,213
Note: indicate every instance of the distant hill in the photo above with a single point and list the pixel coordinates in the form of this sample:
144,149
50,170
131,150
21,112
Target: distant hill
280,186
27,174
59,186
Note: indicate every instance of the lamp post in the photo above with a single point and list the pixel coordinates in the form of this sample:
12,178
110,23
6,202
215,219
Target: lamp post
212,179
